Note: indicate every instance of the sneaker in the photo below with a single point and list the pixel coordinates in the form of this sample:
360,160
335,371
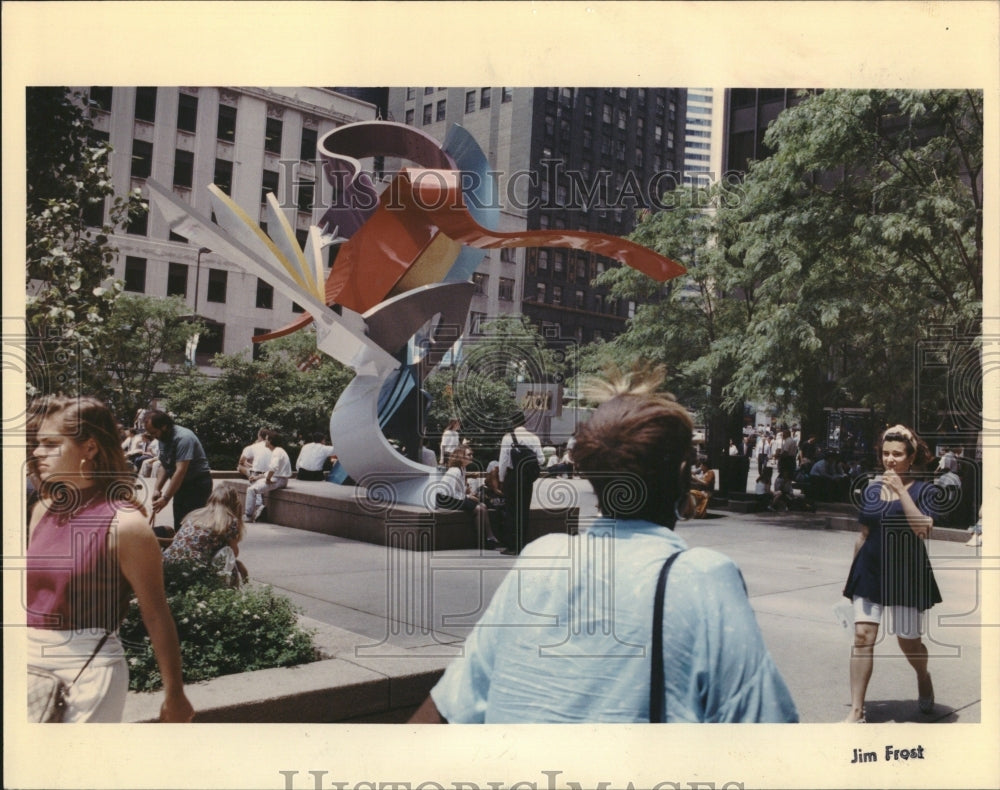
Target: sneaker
257,511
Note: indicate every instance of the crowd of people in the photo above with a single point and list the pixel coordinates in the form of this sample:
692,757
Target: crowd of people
84,467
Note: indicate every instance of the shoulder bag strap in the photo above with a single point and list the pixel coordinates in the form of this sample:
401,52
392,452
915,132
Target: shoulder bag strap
657,698
96,651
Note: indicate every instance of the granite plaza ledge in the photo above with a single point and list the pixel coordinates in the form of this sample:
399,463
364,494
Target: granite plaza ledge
346,512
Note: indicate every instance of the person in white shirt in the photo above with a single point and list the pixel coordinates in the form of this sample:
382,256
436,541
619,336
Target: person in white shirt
315,459
255,458
518,485
455,495
449,440
279,470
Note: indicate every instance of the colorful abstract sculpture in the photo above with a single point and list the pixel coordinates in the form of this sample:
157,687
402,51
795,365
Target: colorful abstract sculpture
405,258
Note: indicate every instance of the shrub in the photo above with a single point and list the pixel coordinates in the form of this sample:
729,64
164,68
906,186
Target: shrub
222,630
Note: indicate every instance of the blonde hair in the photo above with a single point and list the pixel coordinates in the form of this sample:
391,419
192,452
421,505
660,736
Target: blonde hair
222,507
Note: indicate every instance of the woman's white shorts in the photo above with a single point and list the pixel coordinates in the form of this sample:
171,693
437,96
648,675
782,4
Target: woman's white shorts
907,621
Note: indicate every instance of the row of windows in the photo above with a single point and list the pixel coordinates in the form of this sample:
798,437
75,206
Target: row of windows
505,286
436,111
546,293
187,119
177,283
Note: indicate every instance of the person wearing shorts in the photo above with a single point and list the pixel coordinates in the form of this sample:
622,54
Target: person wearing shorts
891,569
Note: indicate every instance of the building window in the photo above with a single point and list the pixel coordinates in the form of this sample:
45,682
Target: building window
506,95
257,331
223,177
476,323
428,113
588,105
409,93
183,169
217,279
272,136
100,97
428,91
93,213
409,117
484,98
558,261
470,101
543,260
578,299
507,255
187,113
135,274
268,183
139,225
606,113
265,295
297,308
540,293
177,279
556,294
505,290
145,104
307,150
305,196
226,128
210,342
439,116
481,282
621,119
142,159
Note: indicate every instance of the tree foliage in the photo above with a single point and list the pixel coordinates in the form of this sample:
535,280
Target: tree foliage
289,388
863,228
69,255
137,349
480,387
813,281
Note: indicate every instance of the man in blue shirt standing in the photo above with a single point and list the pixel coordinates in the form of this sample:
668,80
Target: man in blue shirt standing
568,635
184,474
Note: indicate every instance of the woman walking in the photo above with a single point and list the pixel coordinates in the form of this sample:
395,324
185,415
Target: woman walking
891,569
90,547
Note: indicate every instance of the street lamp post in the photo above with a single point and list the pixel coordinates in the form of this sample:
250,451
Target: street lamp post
197,276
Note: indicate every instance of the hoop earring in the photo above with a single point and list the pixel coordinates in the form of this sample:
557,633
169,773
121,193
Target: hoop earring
83,472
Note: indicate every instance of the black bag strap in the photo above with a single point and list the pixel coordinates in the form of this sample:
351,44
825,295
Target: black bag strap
96,651
657,697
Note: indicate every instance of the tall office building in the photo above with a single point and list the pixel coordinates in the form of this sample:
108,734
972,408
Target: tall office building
748,113
248,141
567,158
699,126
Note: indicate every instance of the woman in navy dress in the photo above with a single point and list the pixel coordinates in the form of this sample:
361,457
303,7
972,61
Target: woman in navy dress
891,569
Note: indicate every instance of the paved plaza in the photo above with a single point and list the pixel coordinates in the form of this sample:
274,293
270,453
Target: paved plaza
380,601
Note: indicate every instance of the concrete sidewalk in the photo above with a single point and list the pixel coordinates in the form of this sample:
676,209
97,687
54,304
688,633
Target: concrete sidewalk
374,603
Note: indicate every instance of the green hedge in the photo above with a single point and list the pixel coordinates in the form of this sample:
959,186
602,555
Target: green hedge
222,630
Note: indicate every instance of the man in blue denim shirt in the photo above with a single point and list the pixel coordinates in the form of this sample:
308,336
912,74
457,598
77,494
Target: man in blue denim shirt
566,637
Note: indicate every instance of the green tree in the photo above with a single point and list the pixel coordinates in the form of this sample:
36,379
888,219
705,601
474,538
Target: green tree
480,388
69,253
815,279
289,388
137,347
690,325
863,228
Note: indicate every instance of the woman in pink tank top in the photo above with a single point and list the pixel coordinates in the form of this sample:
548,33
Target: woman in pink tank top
90,547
